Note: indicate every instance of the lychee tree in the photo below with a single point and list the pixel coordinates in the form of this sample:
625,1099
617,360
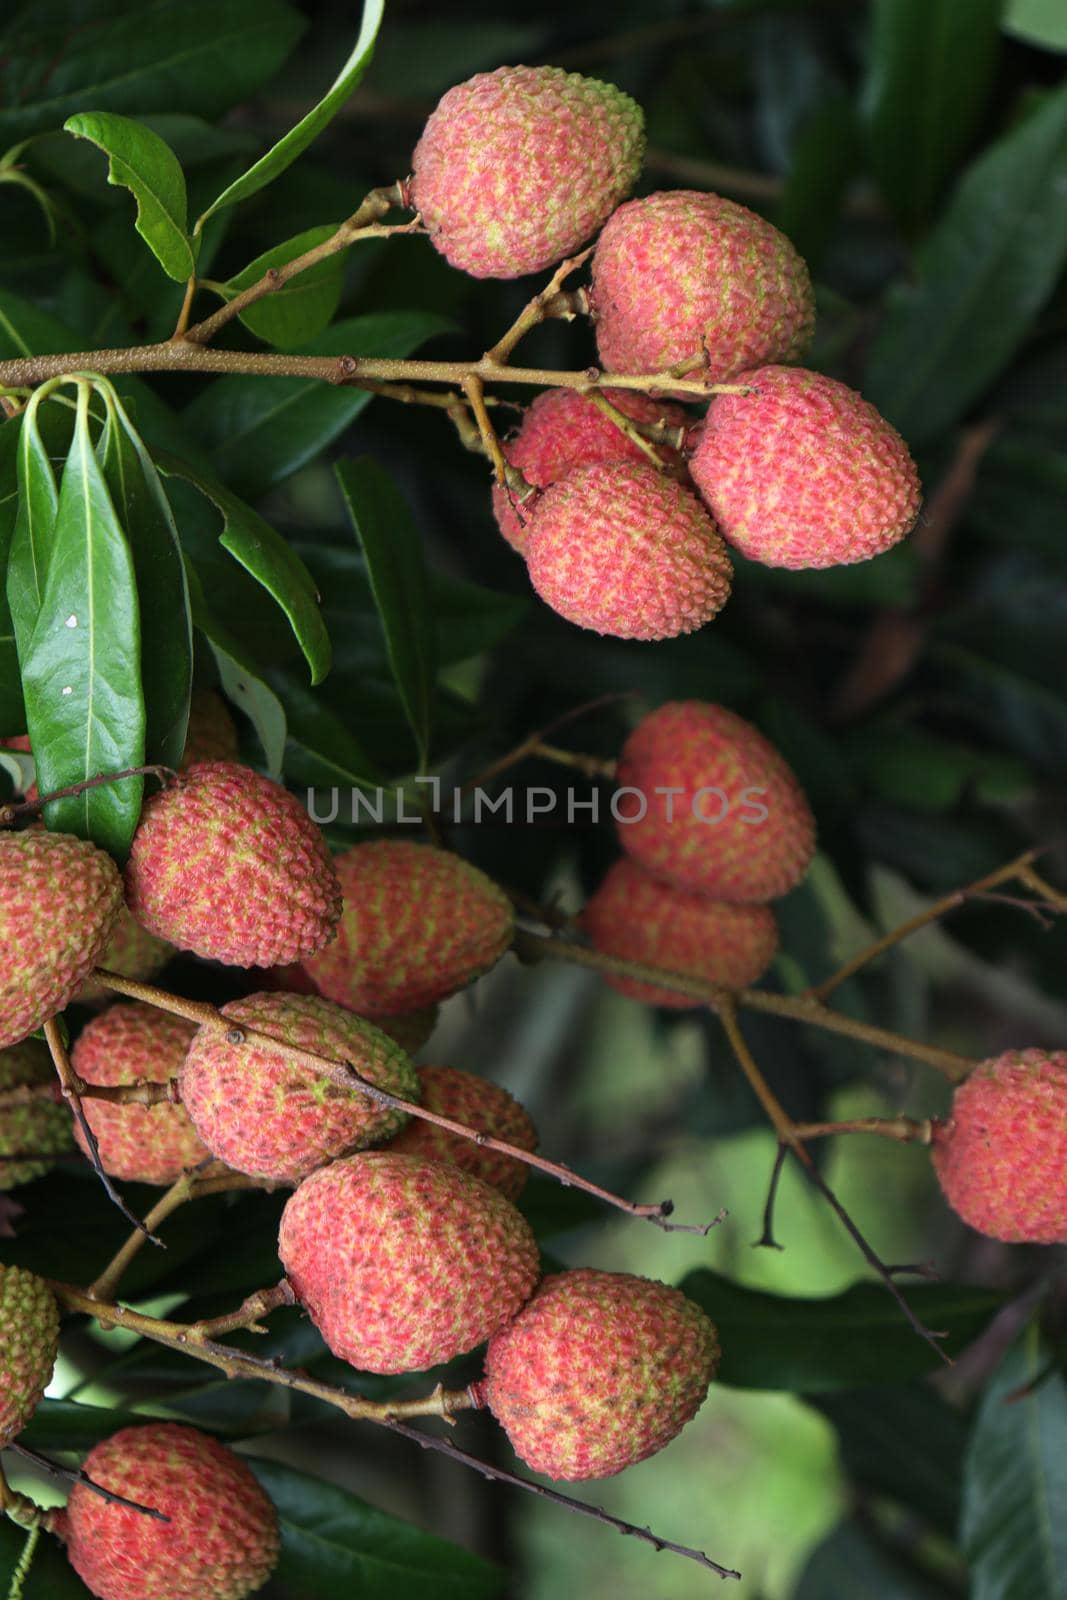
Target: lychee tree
528,579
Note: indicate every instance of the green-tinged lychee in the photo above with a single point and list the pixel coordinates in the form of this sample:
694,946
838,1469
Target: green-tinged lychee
418,924
29,1341
687,278
403,1263
228,864
486,1108
563,429
517,168
212,733
623,549
36,1126
704,801
1001,1156
131,1044
131,952
273,1117
59,900
215,1538
804,472
638,917
598,1371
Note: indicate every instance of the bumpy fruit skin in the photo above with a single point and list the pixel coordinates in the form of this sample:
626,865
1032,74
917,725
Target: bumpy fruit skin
638,918
221,1541
402,1262
744,858
409,1029
805,472
1002,1156
132,952
276,1119
600,1370
229,865
518,167
478,1104
563,429
59,899
137,1044
211,734
621,549
683,274
418,925
41,1126
29,1341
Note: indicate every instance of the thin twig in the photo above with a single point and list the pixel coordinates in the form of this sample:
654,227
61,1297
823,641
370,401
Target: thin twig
76,1475
548,303
766,1240
532,741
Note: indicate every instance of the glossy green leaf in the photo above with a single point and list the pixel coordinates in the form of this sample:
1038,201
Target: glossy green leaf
270,560
322,750
81,668
904,1442
824,157
981,277
335,1543
33,534
1014,1530
840,1342
67,1425
260,430
26,330
145,513
853,1565
303,306
193,56
285,152
139,160
12,711
392,546
240,677
929,72
1040,22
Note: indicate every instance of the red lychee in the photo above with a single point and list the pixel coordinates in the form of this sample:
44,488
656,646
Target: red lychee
403,1263
622,549
714,809
518,167
639,918
805,472
478,1104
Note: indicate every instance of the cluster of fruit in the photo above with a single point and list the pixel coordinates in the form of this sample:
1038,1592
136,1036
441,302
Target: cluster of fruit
621,503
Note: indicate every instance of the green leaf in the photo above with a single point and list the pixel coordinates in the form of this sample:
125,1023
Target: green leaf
146,515
839,1342
26,330
261,430
823,160
82,667
1013,1530
335,1543
195,56
1040,22
264,553
322,750
12,711
981,277
67,1425
931,65
285,152
139,160
903,1442
853,1565
33,535
51,1576
395,561
256,699
303,306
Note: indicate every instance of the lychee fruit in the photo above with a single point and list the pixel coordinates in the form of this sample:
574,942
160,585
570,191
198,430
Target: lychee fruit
418,924
486,1108
1001,1156
228,864
563,429
683,278
622,549
410,1029
129,1044
211,734
59,900
131,952
216,1537
639,918
804,472
518,167
37,1127
403,1263
275,1118
29,1342
598,1371
713,807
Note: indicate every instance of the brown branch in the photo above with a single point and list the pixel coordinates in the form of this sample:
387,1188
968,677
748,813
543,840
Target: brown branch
905,1130
8,813
549,303
534,741
474,389
766,1240
76,1475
